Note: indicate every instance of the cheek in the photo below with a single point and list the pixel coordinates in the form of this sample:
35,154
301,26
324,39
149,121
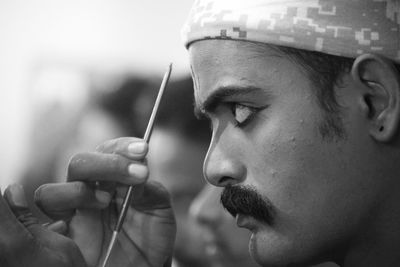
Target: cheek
288,161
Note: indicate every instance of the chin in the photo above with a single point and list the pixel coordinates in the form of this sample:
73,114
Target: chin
270,250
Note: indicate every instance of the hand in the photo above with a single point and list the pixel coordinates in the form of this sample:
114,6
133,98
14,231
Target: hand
23,242
91,198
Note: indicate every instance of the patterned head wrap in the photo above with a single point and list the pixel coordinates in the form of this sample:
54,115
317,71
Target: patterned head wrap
338,27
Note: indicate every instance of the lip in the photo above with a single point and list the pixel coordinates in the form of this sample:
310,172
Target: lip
245,221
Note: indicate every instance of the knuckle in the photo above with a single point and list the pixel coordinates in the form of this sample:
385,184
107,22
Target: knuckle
120,144
115,161
106,146
119,164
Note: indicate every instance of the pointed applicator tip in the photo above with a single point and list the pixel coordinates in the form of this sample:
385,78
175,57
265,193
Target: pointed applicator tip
110,247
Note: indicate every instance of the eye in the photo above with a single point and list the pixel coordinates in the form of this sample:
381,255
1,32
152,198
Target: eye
242,114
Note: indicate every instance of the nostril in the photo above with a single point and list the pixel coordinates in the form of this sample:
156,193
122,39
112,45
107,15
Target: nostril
222,171
225,180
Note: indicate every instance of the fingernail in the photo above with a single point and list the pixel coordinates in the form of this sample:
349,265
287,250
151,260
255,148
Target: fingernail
137,147
138,171
103,196
17,196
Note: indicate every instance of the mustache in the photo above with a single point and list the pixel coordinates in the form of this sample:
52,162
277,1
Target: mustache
247,201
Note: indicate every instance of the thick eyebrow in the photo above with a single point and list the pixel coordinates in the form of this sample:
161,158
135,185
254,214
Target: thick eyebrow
221,93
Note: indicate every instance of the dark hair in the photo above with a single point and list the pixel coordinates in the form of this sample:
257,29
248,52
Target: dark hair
176,111
325,73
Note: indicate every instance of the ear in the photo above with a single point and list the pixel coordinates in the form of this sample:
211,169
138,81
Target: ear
379,81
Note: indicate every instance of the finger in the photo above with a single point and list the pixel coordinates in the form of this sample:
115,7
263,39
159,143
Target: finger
149,196
59,227
14,237
95,166
130,147
59,201
39,247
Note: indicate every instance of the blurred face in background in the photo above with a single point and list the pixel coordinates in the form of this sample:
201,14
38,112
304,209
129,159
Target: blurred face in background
225,243
176,162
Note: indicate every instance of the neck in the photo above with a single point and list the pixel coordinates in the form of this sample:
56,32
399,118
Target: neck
379,242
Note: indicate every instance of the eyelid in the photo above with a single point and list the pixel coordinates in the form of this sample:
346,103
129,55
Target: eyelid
254,111
248,119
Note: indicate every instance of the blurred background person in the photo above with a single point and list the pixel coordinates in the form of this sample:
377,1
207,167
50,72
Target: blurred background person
177,147
225,243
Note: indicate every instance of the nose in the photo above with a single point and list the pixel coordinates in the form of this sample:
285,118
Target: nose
206,209
222,165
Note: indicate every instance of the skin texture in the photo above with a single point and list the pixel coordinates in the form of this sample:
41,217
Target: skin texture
327,195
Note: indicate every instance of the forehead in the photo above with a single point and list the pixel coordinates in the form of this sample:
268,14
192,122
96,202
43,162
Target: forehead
225,63
229,58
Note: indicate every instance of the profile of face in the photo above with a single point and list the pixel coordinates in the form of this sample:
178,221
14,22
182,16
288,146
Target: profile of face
310,194
225,244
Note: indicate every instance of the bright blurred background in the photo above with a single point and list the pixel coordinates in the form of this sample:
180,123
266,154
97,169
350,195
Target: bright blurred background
55,53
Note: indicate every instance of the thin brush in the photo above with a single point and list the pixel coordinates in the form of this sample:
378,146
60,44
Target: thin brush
128,195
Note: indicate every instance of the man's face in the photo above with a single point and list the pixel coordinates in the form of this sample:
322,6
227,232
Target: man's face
265,119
